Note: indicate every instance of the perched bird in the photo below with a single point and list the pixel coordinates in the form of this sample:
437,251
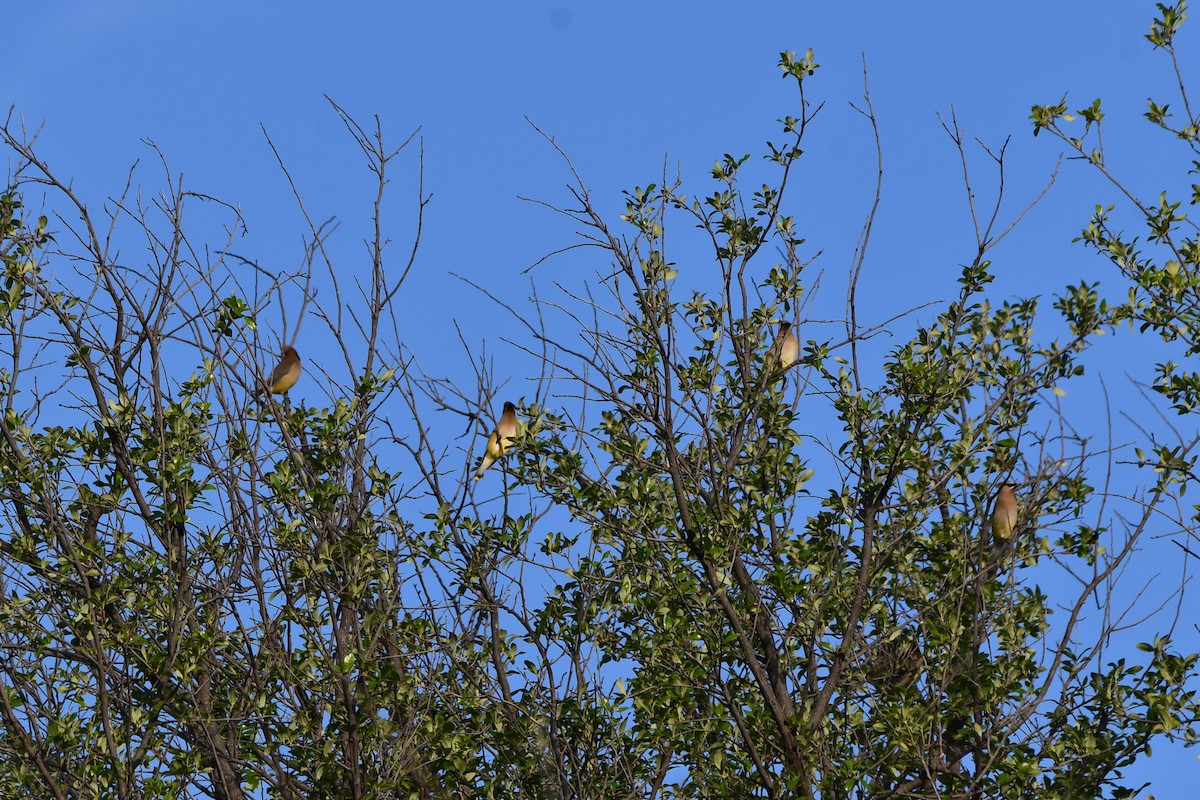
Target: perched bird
500,439
785,350
284,376
1004,516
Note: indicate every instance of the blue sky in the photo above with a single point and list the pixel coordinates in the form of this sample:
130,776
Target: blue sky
624,87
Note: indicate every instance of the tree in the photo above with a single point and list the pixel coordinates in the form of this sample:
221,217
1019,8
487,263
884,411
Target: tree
694,574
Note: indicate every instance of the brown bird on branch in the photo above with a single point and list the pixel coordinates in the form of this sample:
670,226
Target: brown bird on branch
285,375
786,349
500,439
1004,516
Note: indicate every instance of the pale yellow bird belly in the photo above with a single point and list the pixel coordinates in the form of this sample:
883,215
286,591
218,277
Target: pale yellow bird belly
1002,524
496,445
285,382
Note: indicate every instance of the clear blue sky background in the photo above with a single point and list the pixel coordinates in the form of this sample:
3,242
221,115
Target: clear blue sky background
622,86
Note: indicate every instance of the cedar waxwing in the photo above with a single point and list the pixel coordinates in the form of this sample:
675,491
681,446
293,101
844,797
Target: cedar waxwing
500,439
284,376
1004,516
785,350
